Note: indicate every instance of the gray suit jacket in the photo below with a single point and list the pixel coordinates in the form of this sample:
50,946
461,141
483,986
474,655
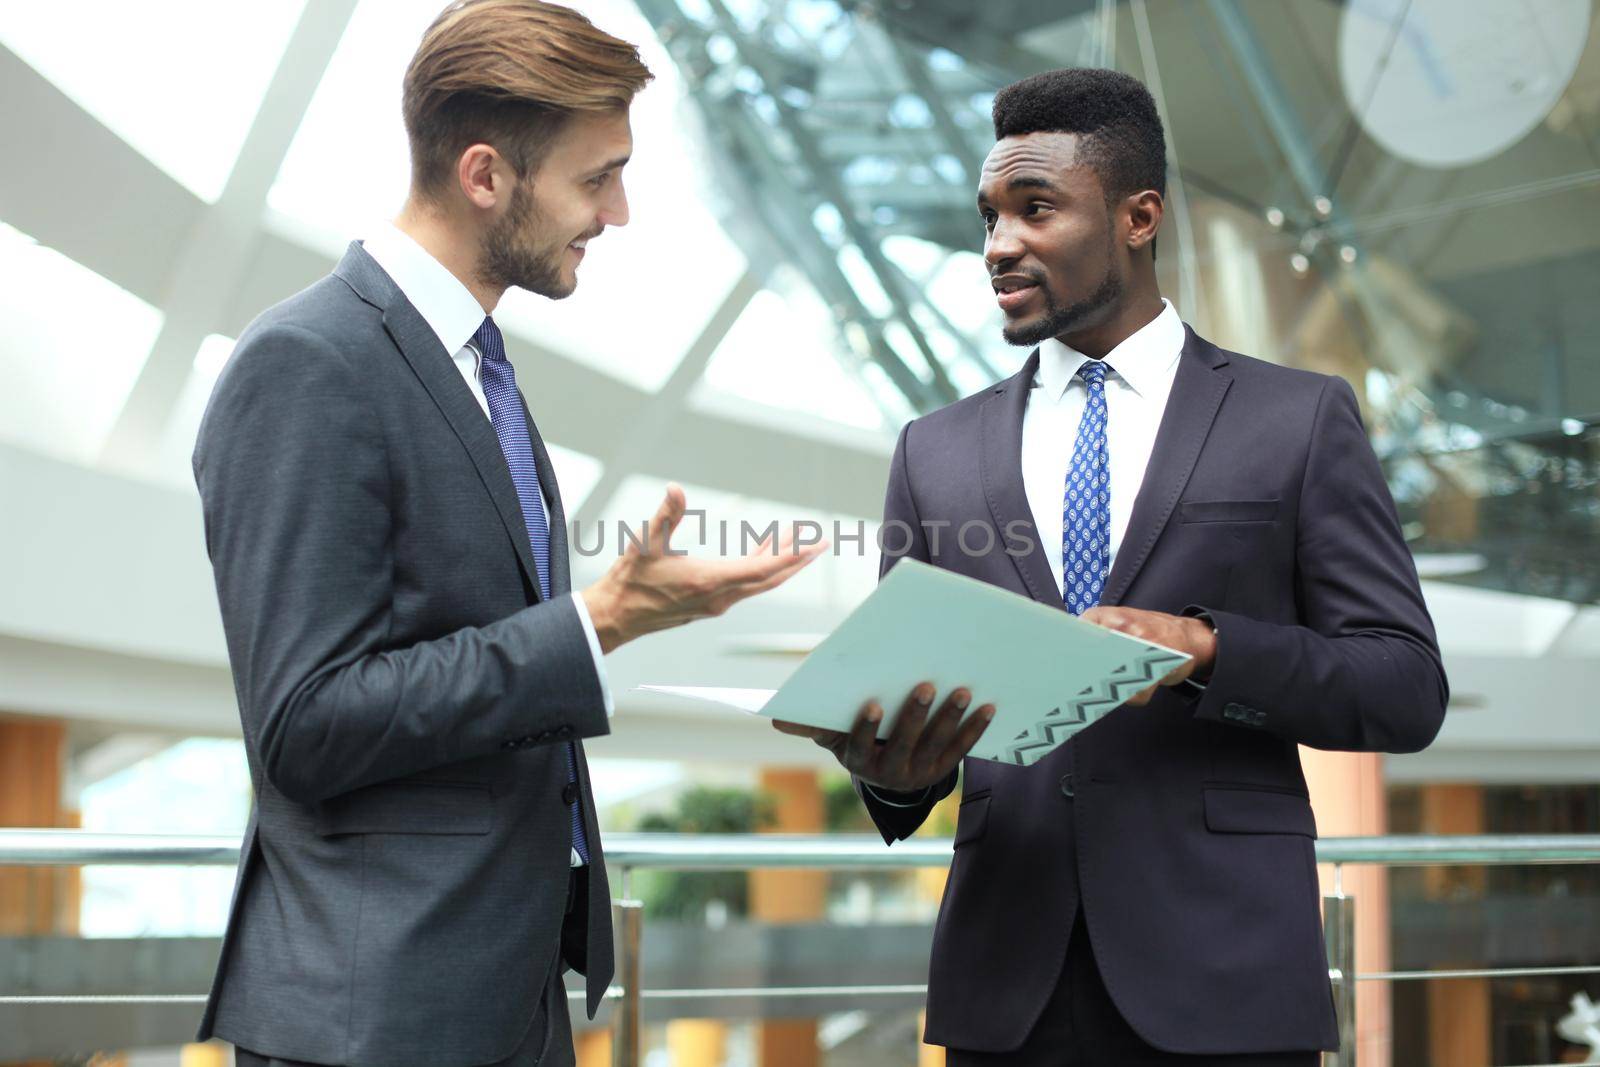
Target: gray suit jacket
406,697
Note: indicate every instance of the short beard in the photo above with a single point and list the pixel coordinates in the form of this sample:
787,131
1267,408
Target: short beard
1058,320
506,260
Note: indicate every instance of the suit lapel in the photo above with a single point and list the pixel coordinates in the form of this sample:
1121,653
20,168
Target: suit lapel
434,368
1192,405
1000,467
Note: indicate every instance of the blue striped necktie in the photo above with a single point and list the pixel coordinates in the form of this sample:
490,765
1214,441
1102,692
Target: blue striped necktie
511,427
1086,511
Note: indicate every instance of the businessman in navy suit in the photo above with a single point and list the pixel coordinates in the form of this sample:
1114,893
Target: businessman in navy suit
1147,893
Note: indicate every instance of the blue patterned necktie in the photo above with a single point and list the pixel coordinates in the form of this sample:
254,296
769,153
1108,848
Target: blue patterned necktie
1086,511
511,427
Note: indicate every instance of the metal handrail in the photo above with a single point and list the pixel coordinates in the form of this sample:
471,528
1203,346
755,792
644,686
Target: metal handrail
705,852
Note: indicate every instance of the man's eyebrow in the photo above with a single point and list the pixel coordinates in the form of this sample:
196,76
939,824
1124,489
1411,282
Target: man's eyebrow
1032,181
1022,181
611,165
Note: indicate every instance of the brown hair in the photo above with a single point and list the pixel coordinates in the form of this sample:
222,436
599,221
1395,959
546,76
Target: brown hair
508,73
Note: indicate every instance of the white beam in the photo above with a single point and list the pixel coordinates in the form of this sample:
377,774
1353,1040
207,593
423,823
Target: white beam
632,444
217,251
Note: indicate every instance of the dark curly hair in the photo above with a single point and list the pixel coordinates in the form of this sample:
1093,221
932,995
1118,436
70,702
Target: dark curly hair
1114,114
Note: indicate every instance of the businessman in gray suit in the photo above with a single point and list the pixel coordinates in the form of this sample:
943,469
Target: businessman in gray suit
413,669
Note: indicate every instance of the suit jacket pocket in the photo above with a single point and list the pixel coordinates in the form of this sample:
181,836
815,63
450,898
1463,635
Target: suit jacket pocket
408,808
1227,511
1258,811
972,820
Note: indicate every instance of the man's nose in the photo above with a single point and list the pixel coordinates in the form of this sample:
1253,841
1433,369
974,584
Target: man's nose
615,211
1001,246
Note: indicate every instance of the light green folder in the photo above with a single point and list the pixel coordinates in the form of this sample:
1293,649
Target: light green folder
1048,673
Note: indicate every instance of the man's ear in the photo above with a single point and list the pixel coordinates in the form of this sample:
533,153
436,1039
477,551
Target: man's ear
1144,212
481,175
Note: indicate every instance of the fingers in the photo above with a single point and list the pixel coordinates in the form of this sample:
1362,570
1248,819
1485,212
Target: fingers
753,575
832,740
1178,674
896,754
941,728
1142,697
862,749
1173,677
666,519
965,738
765,560
798,729
790,566
1112,618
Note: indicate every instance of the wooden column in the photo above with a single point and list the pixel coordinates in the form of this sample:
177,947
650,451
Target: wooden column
1459,1032
32,765
593,1047
790,897
210,1054
35,900
1347,794
697,1042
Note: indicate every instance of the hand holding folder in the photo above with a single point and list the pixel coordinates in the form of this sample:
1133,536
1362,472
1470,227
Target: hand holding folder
923,745
1045,673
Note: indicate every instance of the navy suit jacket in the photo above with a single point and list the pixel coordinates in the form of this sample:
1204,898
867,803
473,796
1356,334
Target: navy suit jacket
1187,838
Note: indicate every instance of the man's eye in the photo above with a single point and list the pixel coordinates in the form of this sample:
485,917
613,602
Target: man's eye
600,179
1034,209
988,220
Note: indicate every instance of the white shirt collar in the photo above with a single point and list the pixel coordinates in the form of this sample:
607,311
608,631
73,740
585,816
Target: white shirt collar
1144,359
439,297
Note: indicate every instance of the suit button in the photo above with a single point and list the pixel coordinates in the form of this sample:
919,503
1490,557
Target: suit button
1236,712
1066,786
569,794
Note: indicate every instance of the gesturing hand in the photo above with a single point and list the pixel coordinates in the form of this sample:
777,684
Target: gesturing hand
919,751
650,588
1177,632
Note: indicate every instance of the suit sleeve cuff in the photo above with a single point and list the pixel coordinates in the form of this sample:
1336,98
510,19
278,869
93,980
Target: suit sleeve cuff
1232,692
594,650
898,800
1191,686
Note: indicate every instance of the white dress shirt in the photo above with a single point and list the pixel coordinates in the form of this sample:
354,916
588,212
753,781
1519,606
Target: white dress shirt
1142,369
455,315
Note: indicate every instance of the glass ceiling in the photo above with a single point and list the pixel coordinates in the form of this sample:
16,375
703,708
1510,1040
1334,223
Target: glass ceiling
1404,192
781,354
179,81
63,391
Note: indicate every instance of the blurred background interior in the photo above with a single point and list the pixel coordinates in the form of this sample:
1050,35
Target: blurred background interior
1402,192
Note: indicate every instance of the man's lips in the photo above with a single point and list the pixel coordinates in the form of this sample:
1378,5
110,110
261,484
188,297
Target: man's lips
1012,291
